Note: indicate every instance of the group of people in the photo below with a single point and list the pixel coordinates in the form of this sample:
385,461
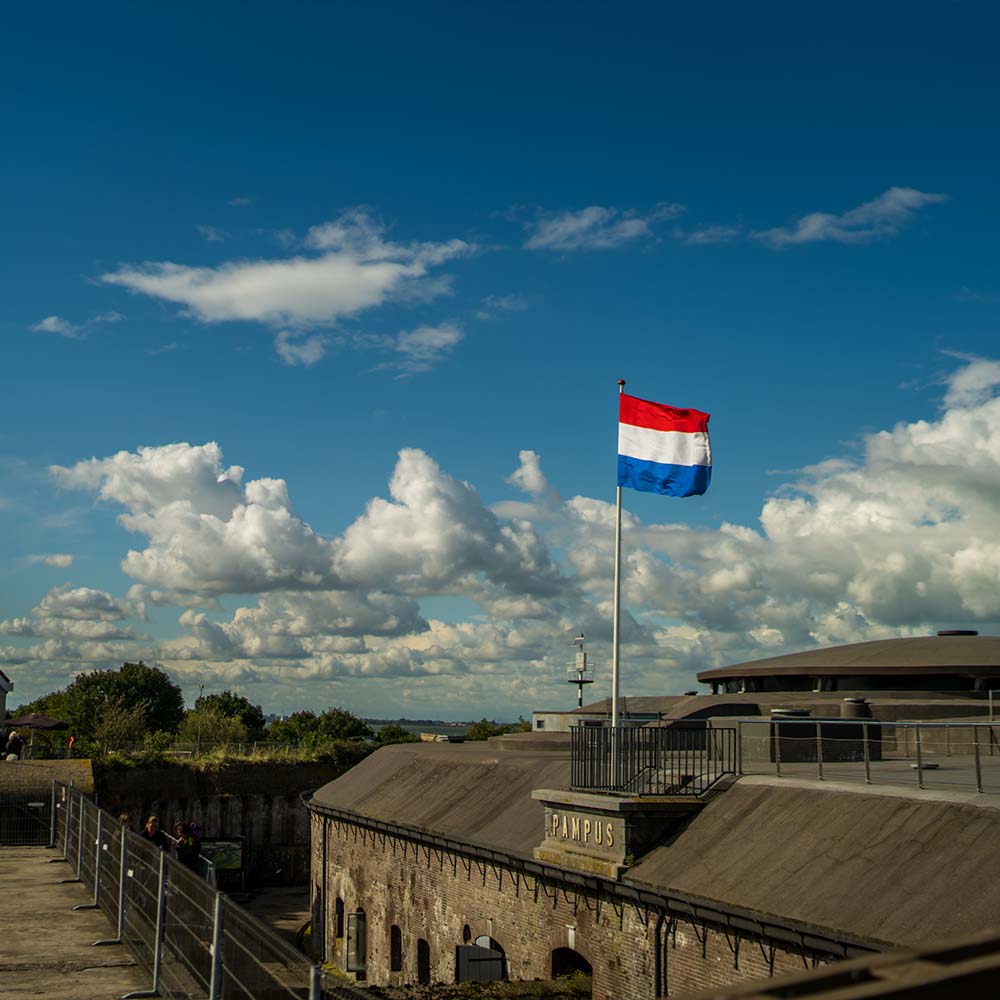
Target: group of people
186,841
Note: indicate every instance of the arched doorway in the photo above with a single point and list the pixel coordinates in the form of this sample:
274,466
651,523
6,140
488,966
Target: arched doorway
423,962
395,949
566,961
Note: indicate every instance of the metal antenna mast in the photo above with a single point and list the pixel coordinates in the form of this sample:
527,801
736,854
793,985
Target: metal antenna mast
578,671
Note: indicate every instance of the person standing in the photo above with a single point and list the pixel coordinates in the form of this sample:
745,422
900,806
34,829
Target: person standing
151,831
14,746
187,845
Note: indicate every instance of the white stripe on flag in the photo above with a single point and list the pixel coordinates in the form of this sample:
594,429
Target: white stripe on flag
667,447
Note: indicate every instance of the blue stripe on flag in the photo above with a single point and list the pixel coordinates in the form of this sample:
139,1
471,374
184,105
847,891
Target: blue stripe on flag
655,477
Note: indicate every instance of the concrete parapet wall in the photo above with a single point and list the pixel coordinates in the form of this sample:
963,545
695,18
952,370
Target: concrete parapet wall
35,777
258,801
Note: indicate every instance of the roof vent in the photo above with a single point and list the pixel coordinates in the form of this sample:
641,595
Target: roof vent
957,631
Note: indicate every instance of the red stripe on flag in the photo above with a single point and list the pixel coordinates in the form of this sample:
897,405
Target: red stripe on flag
659,417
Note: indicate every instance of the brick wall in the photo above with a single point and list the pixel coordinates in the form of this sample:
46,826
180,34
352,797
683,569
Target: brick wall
434,894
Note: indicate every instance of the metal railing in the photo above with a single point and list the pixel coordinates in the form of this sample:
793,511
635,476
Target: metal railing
941,755
194,942
652,760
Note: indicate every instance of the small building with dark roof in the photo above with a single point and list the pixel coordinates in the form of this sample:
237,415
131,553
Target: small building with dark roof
954,662
6,686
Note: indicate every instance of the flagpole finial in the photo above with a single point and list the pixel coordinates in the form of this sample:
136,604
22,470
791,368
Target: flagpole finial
621,386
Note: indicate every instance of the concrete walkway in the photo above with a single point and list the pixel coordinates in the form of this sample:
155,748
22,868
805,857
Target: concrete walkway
45,946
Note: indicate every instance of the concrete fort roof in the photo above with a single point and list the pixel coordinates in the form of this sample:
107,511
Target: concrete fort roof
479,793
934,654
900,869
893,867
639,705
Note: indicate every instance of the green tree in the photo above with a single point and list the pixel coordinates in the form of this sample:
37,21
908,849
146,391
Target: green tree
235,706
309,728
210,728
135,685
396,734
339,724
293,729
120,726
484,729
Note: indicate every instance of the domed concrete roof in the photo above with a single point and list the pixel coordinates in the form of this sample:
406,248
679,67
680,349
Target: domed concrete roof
957,653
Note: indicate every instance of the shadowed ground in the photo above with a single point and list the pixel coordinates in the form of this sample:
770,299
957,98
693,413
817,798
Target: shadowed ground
45,946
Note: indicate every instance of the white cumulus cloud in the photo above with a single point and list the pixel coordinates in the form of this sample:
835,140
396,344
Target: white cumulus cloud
355,269
298,349
420,349
595,227
56,324
881,217
63,560
207,533
899,538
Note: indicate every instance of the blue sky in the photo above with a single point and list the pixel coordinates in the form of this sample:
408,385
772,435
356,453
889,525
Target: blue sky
324,235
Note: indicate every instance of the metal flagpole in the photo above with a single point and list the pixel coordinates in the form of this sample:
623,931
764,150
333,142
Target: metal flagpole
618,596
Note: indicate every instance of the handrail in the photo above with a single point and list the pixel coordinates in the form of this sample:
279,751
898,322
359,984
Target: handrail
651,760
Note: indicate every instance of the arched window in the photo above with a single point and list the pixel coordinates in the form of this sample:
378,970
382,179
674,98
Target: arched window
566,961
339,917
357,941
423,962
395,949
466,934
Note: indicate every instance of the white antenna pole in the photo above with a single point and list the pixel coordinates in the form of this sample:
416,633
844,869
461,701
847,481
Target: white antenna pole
618,596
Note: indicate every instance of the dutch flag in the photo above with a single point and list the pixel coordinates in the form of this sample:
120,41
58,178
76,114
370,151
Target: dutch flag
662,449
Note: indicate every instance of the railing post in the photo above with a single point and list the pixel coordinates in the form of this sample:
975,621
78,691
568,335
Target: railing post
79,839
97,866
215,984
867,753
161,905
52,816
315,983
739,748
122,855
62,797
979,766
69,816
776,725
920,759
819,751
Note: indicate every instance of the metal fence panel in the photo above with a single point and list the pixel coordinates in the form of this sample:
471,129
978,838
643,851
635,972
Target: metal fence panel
194,943
256,964
25,820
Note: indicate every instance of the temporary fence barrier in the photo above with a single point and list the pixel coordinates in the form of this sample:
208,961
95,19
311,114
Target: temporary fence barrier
191,940
25,819
945,755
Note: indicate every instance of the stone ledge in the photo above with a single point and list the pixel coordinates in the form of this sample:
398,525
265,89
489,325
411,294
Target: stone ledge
618,804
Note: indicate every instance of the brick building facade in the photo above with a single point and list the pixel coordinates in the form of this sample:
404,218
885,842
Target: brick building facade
433,895
425,850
